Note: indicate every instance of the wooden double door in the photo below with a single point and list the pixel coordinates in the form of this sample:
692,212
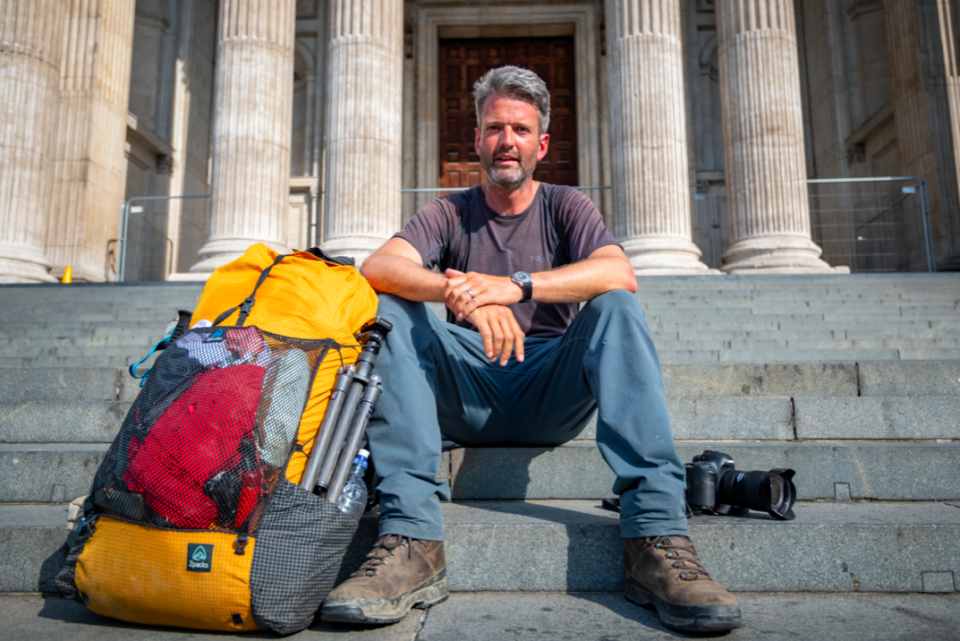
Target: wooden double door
463,62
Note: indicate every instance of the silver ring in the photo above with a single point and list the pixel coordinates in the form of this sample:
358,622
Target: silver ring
472,295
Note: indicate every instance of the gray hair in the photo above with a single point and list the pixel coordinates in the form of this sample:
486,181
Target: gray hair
519,84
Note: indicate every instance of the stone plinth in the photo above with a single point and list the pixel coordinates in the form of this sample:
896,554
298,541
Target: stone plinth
253,90
29,92
767,201
364,133
649,137
88,179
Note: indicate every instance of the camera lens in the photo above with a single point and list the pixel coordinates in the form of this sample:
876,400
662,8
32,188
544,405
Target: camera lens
772,492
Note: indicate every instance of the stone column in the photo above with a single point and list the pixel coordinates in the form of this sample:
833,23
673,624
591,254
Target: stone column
30,32
89,177
649,137
253,107
767,202
364,134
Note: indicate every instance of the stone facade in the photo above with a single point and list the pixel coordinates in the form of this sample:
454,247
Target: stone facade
298,122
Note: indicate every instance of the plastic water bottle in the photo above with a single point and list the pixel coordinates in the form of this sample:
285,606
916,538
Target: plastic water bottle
353,498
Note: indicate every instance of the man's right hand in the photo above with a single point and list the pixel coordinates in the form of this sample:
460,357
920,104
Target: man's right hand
500,331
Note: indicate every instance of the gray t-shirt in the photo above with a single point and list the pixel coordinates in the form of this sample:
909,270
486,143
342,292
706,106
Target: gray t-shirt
560,227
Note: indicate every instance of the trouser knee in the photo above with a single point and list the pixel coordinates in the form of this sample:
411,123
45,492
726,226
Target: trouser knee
617,301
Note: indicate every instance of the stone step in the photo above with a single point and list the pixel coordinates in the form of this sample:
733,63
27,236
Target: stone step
837,470
71,361
669,352
575,546
48,473
132,344
720,379
787,343
765,418
494,616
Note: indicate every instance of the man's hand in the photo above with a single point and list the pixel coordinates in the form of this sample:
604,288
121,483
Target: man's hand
465,293
500,331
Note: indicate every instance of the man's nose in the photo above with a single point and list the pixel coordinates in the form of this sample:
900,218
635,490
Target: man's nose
508,137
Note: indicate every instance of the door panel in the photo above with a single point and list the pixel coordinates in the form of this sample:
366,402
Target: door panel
463,61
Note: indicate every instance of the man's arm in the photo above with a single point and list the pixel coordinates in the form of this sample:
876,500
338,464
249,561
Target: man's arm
606,269
397,268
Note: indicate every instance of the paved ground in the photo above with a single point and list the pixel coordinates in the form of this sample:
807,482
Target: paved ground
588,616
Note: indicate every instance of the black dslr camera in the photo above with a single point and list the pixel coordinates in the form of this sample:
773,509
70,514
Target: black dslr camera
714,486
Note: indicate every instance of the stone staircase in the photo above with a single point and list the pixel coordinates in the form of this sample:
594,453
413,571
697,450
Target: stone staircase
854,381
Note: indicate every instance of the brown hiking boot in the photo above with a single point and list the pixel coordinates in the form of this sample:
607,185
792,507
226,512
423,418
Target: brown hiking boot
665,572
400,573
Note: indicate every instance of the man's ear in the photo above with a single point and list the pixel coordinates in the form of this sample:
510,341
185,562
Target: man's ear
476,140
544,145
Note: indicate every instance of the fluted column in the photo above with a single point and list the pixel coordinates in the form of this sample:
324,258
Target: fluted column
30,32
649,137
253,107
89,176
364,128
767,202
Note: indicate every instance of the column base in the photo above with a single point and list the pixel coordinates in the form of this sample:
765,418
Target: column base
24,265
665,256
781,254
218,253
357,247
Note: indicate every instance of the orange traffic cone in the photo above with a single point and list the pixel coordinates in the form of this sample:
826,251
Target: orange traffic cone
67,275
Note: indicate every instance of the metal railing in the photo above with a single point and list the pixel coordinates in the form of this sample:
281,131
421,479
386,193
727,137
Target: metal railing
877,224
871,225
143,229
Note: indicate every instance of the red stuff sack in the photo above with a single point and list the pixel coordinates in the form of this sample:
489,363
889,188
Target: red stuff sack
196,439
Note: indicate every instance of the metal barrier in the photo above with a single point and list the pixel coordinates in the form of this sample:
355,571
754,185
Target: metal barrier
146,248
868,224
871,225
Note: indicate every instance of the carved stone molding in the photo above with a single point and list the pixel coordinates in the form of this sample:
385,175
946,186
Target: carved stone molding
428,19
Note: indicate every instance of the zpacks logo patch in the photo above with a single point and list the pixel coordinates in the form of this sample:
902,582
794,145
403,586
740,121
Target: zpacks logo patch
216,337
199,557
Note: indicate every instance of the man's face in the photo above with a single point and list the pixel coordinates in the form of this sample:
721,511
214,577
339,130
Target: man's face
509,142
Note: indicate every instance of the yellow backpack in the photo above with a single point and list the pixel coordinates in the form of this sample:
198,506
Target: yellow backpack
195,518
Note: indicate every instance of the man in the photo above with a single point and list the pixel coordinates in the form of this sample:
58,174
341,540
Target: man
518,365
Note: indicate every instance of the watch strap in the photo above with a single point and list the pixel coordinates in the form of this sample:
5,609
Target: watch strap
526,284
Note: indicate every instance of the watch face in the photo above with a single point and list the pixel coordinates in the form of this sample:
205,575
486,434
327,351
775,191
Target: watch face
522,276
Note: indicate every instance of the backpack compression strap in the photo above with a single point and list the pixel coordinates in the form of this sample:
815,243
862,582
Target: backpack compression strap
339,260
247,304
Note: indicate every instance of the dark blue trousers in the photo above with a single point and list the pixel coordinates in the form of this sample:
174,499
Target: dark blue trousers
438,382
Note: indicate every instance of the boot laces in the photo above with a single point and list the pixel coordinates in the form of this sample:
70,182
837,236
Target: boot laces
384,548
683,556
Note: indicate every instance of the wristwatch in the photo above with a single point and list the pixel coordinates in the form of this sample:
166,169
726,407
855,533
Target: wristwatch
525,281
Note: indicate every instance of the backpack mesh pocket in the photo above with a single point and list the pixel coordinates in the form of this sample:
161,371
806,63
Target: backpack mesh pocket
209,435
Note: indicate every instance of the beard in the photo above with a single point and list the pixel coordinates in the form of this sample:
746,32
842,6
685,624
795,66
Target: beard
513,177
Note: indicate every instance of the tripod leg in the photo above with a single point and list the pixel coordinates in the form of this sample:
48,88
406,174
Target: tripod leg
352,446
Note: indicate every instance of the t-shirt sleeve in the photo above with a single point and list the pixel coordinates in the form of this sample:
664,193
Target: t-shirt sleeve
429,231
581,223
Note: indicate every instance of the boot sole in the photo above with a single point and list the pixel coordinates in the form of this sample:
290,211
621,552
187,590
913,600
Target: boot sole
383,611
685,618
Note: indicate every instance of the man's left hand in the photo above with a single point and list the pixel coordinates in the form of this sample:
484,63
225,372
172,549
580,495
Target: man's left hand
466,292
